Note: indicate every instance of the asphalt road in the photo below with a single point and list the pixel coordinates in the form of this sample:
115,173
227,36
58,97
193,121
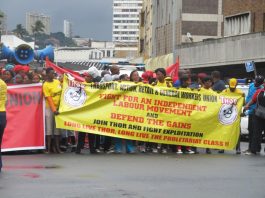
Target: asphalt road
133,175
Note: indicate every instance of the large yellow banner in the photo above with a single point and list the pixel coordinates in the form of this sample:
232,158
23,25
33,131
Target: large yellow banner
148,113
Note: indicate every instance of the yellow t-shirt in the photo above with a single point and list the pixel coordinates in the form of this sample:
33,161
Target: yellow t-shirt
237,91
164,84
3,95
53,89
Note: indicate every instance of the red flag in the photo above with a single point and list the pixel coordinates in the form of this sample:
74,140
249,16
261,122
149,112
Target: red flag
60,70
173,70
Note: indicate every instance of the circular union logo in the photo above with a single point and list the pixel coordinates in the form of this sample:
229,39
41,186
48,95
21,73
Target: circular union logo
227,114
75,96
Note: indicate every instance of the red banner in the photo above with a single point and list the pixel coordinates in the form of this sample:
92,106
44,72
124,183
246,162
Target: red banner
60,70
25,118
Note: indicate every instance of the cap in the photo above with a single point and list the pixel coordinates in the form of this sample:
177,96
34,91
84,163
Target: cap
232,83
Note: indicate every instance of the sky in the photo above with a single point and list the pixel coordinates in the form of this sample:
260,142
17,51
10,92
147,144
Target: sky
90,18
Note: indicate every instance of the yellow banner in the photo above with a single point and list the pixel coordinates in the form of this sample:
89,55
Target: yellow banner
151,114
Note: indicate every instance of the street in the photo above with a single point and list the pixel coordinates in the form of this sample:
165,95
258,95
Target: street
133,175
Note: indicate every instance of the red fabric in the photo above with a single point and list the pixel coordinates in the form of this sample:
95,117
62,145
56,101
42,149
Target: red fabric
173,70
61,71
18,68
147,75
255,96
25,121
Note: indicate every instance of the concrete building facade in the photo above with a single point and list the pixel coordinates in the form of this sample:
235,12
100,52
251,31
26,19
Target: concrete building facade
184,21
67,28
71,54
243,17
125,32
146,29
31,19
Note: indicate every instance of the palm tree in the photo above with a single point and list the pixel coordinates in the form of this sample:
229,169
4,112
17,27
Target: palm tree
20,31
1,16
38,27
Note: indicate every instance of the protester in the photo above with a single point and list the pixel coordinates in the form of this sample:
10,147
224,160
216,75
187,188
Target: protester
184,85
36,78
253,87
8,77
218,84
18,79
124,77
161,82
194,81
258,120
93,139
3,98
115,76
200,77
232,89
52,92
27,79
207,84
135,77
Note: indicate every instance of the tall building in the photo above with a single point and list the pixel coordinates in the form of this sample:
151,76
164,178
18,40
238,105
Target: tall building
125,33
31,19
67,28
3,26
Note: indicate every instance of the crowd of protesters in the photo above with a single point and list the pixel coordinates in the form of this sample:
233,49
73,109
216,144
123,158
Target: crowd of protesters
58,139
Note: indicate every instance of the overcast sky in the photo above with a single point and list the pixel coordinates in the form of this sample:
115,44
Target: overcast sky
90,18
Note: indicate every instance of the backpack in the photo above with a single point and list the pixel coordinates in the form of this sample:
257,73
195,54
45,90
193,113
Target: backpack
260,109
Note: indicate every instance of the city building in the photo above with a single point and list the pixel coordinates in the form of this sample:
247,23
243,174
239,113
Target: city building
31,19
71,54
106,47
243,17
67,28
243,42
125,33
3,26
174,22
184,21
146,29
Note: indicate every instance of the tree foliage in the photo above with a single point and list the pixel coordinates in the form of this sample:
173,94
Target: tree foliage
20,31
38,27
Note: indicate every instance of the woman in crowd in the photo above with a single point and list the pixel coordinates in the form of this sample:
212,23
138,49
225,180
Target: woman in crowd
135,77
52,92
27,78
207,83
36,78
8,77
161,82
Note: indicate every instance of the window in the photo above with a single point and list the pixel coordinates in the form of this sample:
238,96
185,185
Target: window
237,24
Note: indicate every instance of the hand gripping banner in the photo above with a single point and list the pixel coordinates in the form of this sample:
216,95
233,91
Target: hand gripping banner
151,114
